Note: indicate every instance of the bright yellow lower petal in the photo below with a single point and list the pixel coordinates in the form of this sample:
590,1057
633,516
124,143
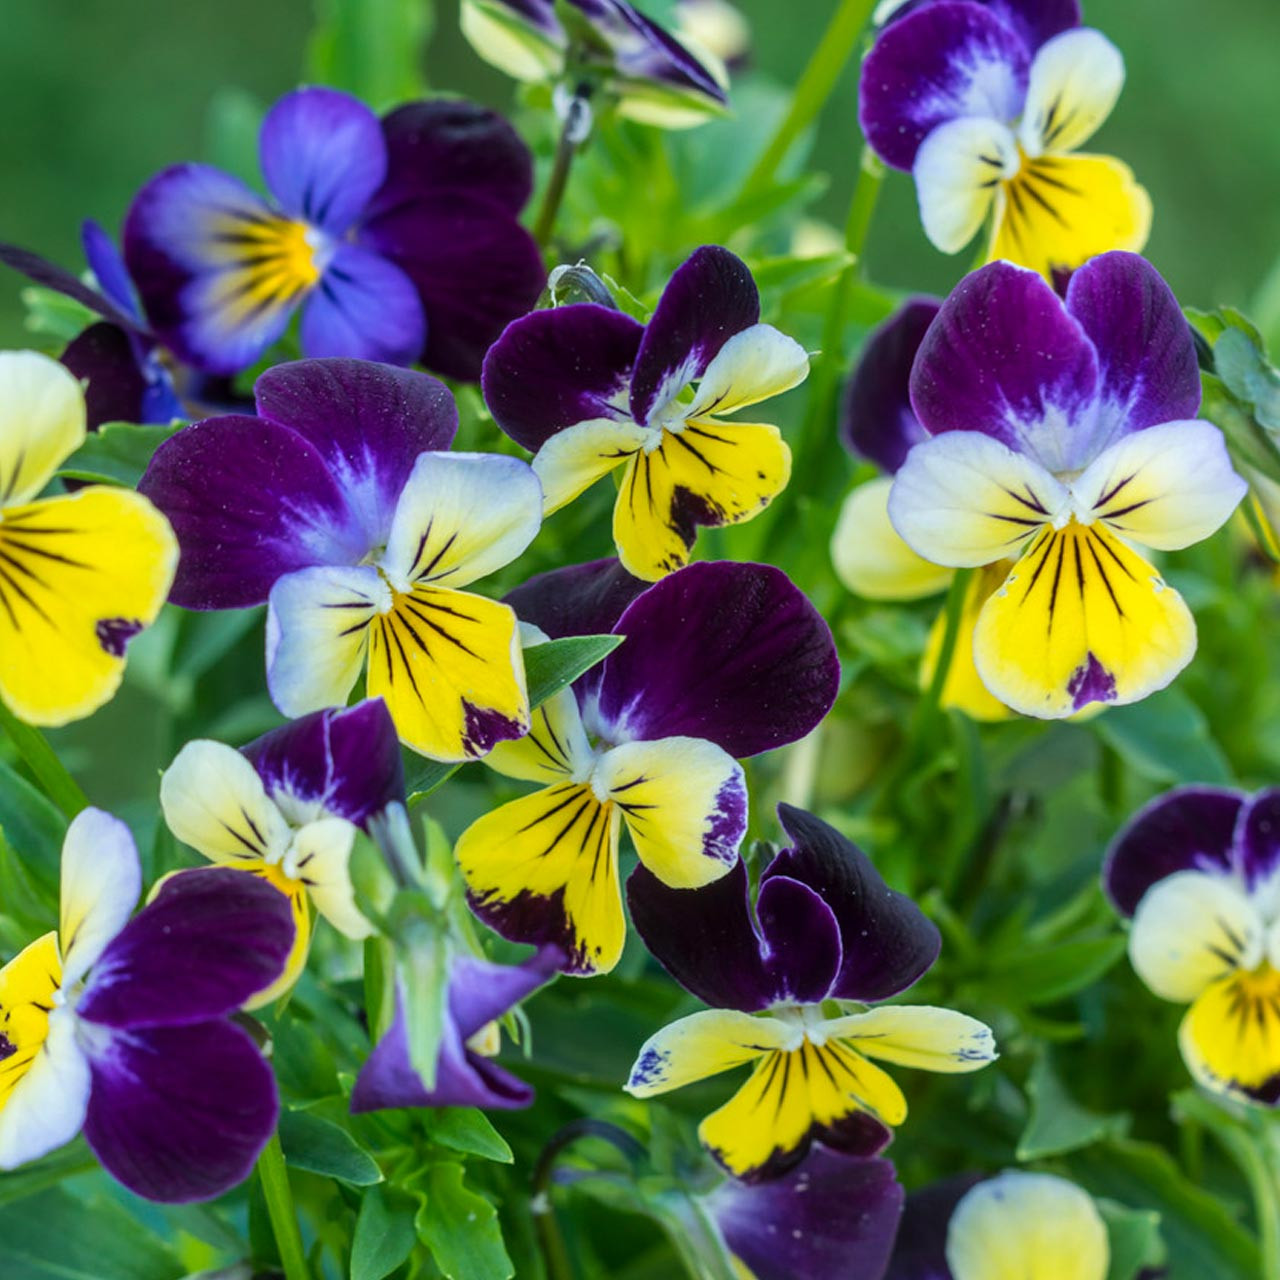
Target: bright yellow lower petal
554,749
296,892
1061,210
919,1036
27,984
1081,619
963,689
450,667
1230,1038
79,575
546,867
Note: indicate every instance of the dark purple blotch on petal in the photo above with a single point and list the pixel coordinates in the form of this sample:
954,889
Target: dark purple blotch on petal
858,1134
484,728
538,919
1091,682
114,634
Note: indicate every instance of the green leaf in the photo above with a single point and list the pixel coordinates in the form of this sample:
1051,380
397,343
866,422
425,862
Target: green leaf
53,313
467,1130
34,827
784,274
320,1146
27,1181
1165,738
117,453
1057,1122
1134,1235
207,637
1052,973
461,1228
374,49
384,1235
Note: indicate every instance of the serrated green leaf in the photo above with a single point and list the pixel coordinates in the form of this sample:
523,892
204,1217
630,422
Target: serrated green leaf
461,1228
1165,738
117,453
384,1234
467,1130
320,1146
1057,1123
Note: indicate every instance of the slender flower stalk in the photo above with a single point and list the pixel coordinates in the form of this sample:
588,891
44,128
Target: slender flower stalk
574,131
284,1220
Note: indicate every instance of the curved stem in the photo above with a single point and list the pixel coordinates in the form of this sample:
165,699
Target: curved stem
1259,1160
43,762
573,132
284,1219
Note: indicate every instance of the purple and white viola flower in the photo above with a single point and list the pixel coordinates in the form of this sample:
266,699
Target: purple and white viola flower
986,104
1198,873
479,993
587,390
654,78
286,809
398,239
829,929
339,506
720,661
1061,431
121,1027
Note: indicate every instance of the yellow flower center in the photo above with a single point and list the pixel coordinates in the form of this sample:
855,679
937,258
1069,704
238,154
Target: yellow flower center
29,991
1233,1028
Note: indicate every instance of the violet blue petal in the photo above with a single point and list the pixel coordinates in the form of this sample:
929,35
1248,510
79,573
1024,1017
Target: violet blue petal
831,1216
711,296
50,276
211,938
1186,829
733,653
108,267
180,1113
323,156
249,502
558,367
1037,20
941,62
888,942
160,403
480,991
920,1252
877,421
803,946
103,356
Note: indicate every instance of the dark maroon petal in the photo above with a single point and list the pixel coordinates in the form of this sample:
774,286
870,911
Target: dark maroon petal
554,368
105,358
857,1134
921,1249
888,942
50,276
1187,829
180,1113
942,61
211,938
1037,20
832,1216
710,297
733,653
877,421
249,501
803,948
450,144
475,268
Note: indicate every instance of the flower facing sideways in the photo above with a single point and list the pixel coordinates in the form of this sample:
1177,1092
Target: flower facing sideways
720,661
589,390
80,574
826,928
339,506
1061,432
986,105
120,1026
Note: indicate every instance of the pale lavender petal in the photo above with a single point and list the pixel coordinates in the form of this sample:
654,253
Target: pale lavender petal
480,991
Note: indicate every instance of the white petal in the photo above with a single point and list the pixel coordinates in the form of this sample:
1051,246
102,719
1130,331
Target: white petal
101,885
753,365
42,420
958,171
702,1045
47,1106
1075,80
319,858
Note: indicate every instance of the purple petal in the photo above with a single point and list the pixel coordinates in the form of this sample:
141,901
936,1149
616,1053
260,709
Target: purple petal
1037,20
480,991
942,61
644,51
364,307
322,156
475,268
1187,829
456,145
1003,357
1146,355
249,501
888,942
108,267
1257,838
877,421
558,367
347,762
732,653
921,1249
710,297
803,946
211,938
578,600
180,1113
832,1215
105,358
50,276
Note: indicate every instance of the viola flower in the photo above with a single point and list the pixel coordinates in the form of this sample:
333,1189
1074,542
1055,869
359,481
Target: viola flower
479,993
587,389
720,661
1197,871
655,78
121,1027
286,810
829,929
986,106
338,506
717,26
80,574
1060,433
397,239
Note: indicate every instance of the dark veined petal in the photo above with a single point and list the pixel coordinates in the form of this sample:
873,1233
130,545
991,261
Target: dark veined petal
733,653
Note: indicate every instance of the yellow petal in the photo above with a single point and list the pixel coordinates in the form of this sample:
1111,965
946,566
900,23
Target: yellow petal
42,420
756,364
1230,1038
703,1044
920,1036
574,459
555,748
296,892
27,984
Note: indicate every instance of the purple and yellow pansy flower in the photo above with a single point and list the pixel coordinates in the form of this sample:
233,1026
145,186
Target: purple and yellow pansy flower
396,239
1062,431
80,574
720,661
825,928
588,390
286,809
339,505
1198,873
986,105
121,1028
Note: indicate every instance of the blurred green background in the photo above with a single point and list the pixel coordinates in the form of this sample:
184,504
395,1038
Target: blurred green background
97,95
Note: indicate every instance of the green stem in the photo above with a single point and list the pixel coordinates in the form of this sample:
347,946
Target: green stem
814,88
41,759
571,138
1260,1162
284,1219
